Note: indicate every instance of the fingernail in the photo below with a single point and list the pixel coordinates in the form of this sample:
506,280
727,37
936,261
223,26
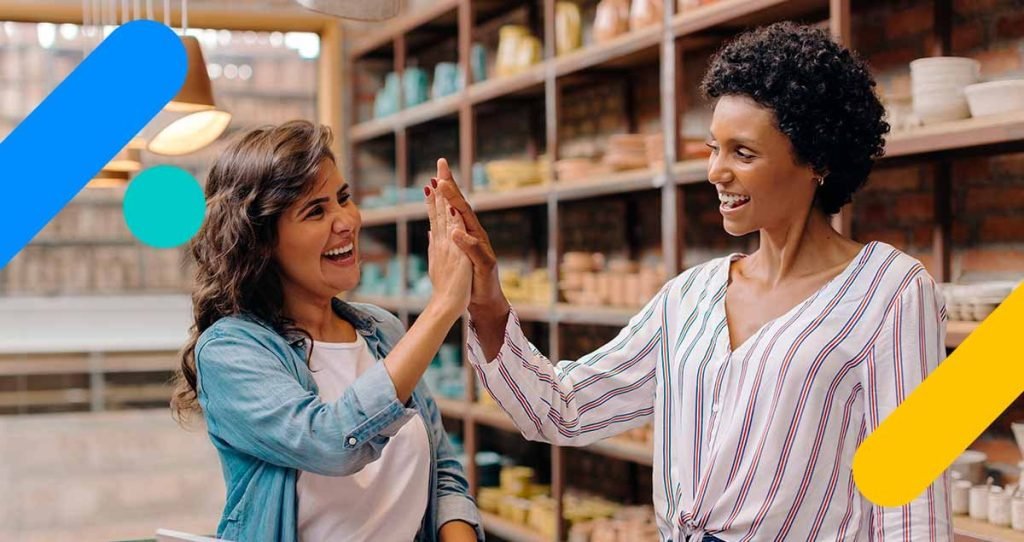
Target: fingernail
433,182
426,191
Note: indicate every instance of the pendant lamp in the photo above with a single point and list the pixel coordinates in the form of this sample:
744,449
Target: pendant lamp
360,10
191,120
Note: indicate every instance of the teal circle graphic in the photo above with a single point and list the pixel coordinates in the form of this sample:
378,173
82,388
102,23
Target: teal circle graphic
164,206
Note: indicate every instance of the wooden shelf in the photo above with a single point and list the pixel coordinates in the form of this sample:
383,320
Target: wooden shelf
690,172
636,47
401,25
614,183
975,134
641,454
492,417
529,82
964,526
511,531
594,315
956,332
733,15
417,114
452,408
509,199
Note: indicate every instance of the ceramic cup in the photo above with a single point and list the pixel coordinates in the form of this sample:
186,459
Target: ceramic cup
960,497
999,508
978,503
1017,513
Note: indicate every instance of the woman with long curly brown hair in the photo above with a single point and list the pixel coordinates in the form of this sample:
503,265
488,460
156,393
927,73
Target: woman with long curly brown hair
314,404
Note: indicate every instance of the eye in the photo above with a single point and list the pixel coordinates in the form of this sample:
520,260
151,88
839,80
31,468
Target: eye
712,146
744,155
344,198
316,212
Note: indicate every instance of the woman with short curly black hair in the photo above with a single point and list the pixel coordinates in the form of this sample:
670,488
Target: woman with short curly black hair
761,373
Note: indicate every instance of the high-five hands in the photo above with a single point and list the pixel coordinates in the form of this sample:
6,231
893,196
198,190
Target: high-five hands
450,270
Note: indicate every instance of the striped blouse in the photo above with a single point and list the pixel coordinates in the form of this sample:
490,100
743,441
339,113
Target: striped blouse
756,443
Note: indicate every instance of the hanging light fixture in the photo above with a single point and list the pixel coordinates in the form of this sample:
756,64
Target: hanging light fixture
129,159
360,10
109,179
191,120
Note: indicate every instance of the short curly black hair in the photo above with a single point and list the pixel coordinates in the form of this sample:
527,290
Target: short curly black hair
822,95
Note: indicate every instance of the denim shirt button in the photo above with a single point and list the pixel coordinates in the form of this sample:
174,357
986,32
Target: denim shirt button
352,441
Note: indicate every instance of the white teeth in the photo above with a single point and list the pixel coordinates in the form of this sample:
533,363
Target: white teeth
732,199
339,251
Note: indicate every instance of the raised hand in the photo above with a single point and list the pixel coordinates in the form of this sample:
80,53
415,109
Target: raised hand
450,269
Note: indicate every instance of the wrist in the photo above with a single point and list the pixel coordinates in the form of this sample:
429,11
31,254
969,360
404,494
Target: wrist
442,307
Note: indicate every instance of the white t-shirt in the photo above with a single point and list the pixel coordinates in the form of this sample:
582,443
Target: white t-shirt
387,499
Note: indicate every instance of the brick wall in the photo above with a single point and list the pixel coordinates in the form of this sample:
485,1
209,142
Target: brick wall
988,192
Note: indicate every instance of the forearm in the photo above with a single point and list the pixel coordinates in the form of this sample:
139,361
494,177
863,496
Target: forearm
410,357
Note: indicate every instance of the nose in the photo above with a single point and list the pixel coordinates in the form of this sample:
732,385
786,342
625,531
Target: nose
343,222
718,171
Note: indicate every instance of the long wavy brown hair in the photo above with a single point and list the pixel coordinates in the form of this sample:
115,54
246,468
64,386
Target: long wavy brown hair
253,182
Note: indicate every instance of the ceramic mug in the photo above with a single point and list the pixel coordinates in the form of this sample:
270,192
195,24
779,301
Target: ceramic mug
960,497
978,506
999,508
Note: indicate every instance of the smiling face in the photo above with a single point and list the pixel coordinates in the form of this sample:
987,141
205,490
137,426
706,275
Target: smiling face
317,248
752,165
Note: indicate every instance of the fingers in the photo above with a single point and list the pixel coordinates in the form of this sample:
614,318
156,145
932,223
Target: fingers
444,173
450,191
473,248
432,198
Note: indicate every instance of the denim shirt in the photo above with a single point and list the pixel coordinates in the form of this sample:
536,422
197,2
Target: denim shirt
265,417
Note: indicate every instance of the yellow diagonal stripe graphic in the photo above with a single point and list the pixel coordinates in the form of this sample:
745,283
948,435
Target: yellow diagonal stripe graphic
947,412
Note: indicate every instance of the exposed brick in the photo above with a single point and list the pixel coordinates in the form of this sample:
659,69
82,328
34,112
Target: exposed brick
1010,26
896,238
894,179
923,236
909,22
914,207
967,37
971,7
998,61
995,229
1008,165
894,58
972,168
992,260
982,200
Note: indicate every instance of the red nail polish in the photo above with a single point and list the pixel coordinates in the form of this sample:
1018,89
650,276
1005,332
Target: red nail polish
452,210
433,182
426,190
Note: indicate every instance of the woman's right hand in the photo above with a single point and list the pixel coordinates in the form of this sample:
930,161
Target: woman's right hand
451,271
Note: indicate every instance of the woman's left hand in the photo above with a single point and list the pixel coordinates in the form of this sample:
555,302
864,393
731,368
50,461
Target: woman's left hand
458,531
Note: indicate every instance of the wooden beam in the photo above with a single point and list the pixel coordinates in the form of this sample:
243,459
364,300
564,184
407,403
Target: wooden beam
236,18
330,107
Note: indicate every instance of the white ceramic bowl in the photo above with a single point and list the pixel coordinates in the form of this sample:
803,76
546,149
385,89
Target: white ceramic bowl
995,97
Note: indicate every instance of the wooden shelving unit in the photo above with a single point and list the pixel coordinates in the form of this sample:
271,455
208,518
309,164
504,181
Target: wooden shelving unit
664,46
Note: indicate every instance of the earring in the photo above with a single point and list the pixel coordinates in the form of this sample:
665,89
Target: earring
821,181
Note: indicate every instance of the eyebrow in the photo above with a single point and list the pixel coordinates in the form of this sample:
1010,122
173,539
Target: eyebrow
318,201
743,142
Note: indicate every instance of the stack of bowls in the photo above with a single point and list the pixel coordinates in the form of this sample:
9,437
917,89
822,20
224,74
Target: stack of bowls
938,87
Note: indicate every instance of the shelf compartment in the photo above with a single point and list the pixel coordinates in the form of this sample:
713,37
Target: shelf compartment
511,531
1002,132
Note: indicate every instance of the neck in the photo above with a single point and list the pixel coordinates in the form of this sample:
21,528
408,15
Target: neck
798,248
311,313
